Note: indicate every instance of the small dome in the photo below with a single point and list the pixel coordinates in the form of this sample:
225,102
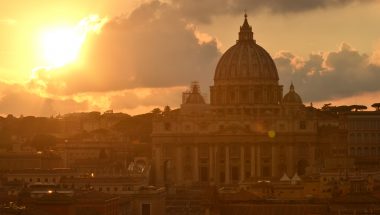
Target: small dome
292,97
195,99
246,60
194,96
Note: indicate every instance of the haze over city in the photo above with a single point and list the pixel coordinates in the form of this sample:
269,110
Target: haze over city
184,107
58,57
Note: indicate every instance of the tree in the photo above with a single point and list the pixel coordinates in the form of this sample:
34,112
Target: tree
326,107
343,109
156,111
376,106
358,107
337,109
167,109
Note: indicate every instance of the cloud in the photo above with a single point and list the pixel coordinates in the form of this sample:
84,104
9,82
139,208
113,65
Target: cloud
367,98
17,100
130,99
329,75
203,11
143,60
151,48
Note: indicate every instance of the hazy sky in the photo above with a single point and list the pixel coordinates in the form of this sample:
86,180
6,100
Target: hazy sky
132,56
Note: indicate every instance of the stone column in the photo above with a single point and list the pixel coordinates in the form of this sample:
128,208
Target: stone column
225,95
253,162
159,168
237,95
242,164
258,169
274,160
211,164
312,158
250,94
227,166
290,161
179,165
216,164
196,165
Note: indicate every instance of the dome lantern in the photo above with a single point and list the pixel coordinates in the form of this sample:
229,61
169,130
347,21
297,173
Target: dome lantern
245,33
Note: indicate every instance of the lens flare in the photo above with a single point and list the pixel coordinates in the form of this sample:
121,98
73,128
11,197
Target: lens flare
271,134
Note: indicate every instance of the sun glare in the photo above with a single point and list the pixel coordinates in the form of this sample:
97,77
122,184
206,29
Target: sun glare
62,45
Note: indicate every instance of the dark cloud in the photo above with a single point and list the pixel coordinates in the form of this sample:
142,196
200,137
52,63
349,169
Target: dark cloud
150,48
202,11
330,75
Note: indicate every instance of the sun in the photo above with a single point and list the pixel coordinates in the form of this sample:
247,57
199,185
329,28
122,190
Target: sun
62,45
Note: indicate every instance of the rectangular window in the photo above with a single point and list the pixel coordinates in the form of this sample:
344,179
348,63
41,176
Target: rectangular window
266,171
222,176
247,174
145,209
302,125
204,174
167,126
235,173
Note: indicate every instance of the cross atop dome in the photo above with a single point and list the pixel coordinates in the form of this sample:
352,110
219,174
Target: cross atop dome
246,33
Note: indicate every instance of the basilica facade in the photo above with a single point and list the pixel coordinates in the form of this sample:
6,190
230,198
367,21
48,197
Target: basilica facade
249,131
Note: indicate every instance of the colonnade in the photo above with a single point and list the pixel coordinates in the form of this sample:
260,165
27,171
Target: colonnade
225,163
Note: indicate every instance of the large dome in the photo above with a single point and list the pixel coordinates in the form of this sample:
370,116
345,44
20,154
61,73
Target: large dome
246,79
246,60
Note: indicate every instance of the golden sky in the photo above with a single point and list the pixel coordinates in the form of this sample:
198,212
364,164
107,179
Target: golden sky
133,56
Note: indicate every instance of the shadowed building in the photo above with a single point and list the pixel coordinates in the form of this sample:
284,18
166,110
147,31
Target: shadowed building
249,129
